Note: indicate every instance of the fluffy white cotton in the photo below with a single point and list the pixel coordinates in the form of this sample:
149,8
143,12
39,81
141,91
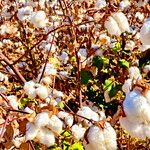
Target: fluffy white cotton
57,93
28,85
28,110
31,92
47,80
46,137
100,4
69,120
136,107
145,33
127,86
64,57
13,101
134,73
122,21
24,13
39,19
55,124
42,119
101,139
124,4
78,131
146,68
117,23
42,92
112,26
3,77
31,131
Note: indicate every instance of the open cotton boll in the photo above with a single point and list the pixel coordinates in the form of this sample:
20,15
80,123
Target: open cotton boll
133,128
136,107
69,120
57,93
146,69
95,138
31,92
28,110
94,116
42,119
127,86
47,80
145,33
101,4
124,4
28,85
46,137
112,26
39,19
31,131
55,124
64,57
42,92
78,131
62,114
24,13
13,101
108,131
122,21
134,73
18,141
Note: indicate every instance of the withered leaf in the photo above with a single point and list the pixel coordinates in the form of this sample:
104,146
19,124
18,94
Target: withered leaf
22,126
26,146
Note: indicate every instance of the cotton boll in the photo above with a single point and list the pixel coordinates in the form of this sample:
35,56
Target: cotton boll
42,92
55,124
13,101
133,128
145,33
28,110
112,26
46,137
18,141
31,92
134,73
39,19
136,107
78,131
62,114
3,89
49,70
31,131
42,119
69,120
146,69
102,115
24,13
110,143
95,138
47,80
64,57
127,86
57,93
122,21
124,4
94,116
100,4
28,85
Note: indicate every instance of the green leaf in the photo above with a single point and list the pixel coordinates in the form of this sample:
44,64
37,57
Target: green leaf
66,145
61,105
108,84
66,133
85,76
76,146
117,47
99,61
23,102
124,63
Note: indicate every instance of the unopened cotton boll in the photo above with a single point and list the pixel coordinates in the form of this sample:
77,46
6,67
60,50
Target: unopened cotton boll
24,13
46,137
42,119
42,92
127,86
13,101
78,131
145,33
31,131
39,19
55,124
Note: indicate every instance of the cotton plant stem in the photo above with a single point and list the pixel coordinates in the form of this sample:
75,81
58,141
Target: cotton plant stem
13,67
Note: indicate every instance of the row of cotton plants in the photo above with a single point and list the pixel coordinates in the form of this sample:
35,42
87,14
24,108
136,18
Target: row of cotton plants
74,75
